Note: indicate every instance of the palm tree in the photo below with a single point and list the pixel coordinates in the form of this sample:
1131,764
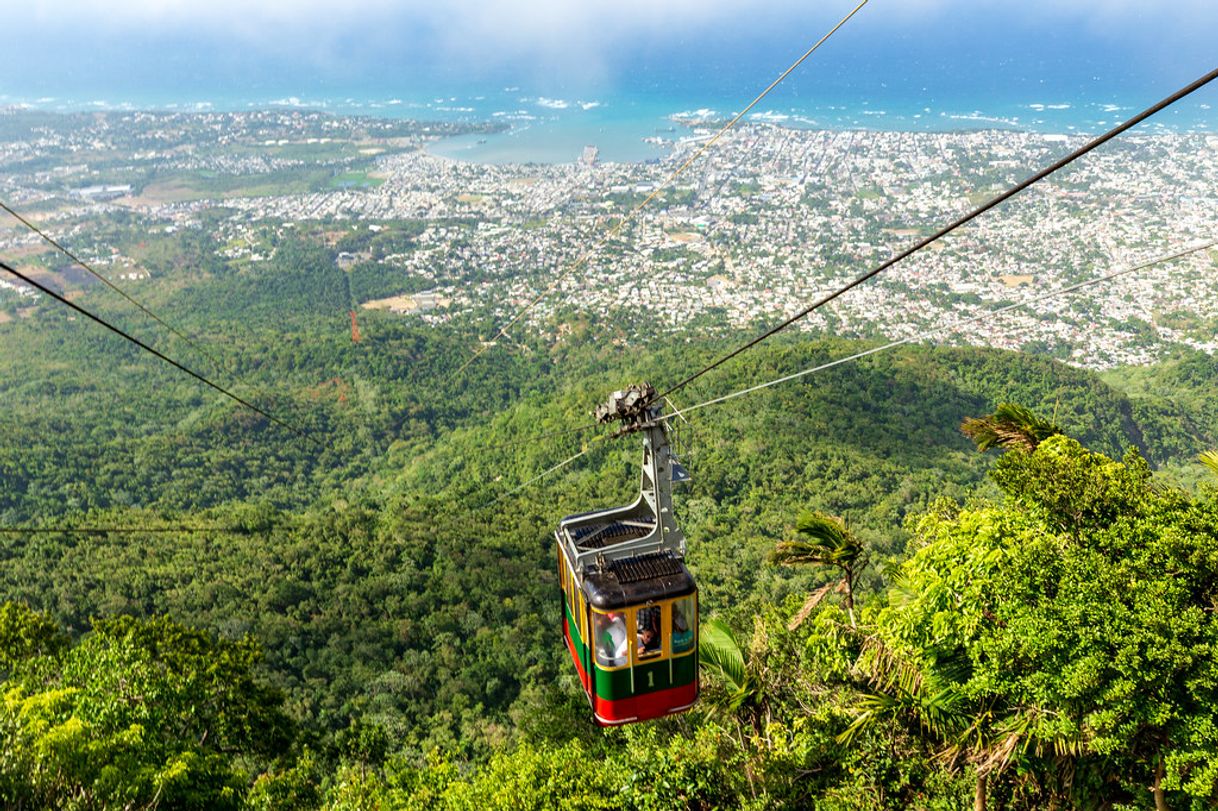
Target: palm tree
825,541
927,694
1011,426
743,676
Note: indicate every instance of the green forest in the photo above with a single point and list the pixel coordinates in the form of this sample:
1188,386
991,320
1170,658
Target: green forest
201,609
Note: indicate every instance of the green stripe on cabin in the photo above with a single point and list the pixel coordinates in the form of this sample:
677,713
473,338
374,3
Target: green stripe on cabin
648,677
573,628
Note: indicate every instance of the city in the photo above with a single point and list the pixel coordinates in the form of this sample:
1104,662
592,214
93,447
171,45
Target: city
768,220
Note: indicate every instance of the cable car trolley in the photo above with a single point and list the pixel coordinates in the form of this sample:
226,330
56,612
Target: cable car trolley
630,607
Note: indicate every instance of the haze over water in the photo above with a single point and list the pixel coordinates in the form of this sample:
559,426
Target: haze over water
567,77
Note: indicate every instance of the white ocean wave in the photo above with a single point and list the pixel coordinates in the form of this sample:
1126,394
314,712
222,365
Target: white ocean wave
770,117
552,104
588,105
978,116
394,101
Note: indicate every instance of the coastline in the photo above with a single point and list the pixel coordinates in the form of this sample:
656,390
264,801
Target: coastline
625,129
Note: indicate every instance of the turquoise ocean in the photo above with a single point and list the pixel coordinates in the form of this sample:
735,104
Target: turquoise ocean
983,73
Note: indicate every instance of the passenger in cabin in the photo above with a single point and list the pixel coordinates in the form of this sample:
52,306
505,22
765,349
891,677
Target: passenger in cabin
682,636
611,639
649,631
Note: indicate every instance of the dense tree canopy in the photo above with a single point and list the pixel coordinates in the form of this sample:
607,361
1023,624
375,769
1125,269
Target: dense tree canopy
372,621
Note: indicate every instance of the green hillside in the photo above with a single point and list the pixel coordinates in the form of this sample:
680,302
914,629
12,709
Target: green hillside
371,621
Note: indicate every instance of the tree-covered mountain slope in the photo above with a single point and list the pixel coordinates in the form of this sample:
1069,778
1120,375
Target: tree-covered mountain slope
398,582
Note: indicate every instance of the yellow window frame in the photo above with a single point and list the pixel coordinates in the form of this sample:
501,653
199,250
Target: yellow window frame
632,628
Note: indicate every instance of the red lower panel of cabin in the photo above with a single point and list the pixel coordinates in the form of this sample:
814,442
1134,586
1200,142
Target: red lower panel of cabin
645,706
633,708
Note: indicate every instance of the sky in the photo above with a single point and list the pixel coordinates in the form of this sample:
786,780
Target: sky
310,46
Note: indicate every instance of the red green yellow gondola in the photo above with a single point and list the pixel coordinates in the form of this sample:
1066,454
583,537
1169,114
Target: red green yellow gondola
629,604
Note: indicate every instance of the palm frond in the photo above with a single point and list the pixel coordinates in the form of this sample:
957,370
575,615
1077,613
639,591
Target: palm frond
817,526
1210,460
809,606
719,651
888,669
868,710
824,540
1010,426
944,715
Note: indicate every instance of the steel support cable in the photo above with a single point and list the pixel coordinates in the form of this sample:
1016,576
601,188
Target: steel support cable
587,447
681,413
969,217
158,354
511,443
944,328
621,224
219,367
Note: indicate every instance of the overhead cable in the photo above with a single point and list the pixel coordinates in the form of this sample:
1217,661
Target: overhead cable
587,447
158,354
945,328
62,249
511,443
947,229
681,413
621,224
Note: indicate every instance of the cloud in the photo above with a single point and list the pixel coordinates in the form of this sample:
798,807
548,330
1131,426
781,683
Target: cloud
464,17
577,39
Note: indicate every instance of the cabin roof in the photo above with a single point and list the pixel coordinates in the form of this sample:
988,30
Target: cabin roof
638,580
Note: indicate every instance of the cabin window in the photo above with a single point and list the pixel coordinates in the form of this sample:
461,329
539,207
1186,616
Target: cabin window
582,616
612,641
684,615
567,590
649,641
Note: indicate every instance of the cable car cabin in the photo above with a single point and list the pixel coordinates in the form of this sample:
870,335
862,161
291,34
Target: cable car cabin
630,607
